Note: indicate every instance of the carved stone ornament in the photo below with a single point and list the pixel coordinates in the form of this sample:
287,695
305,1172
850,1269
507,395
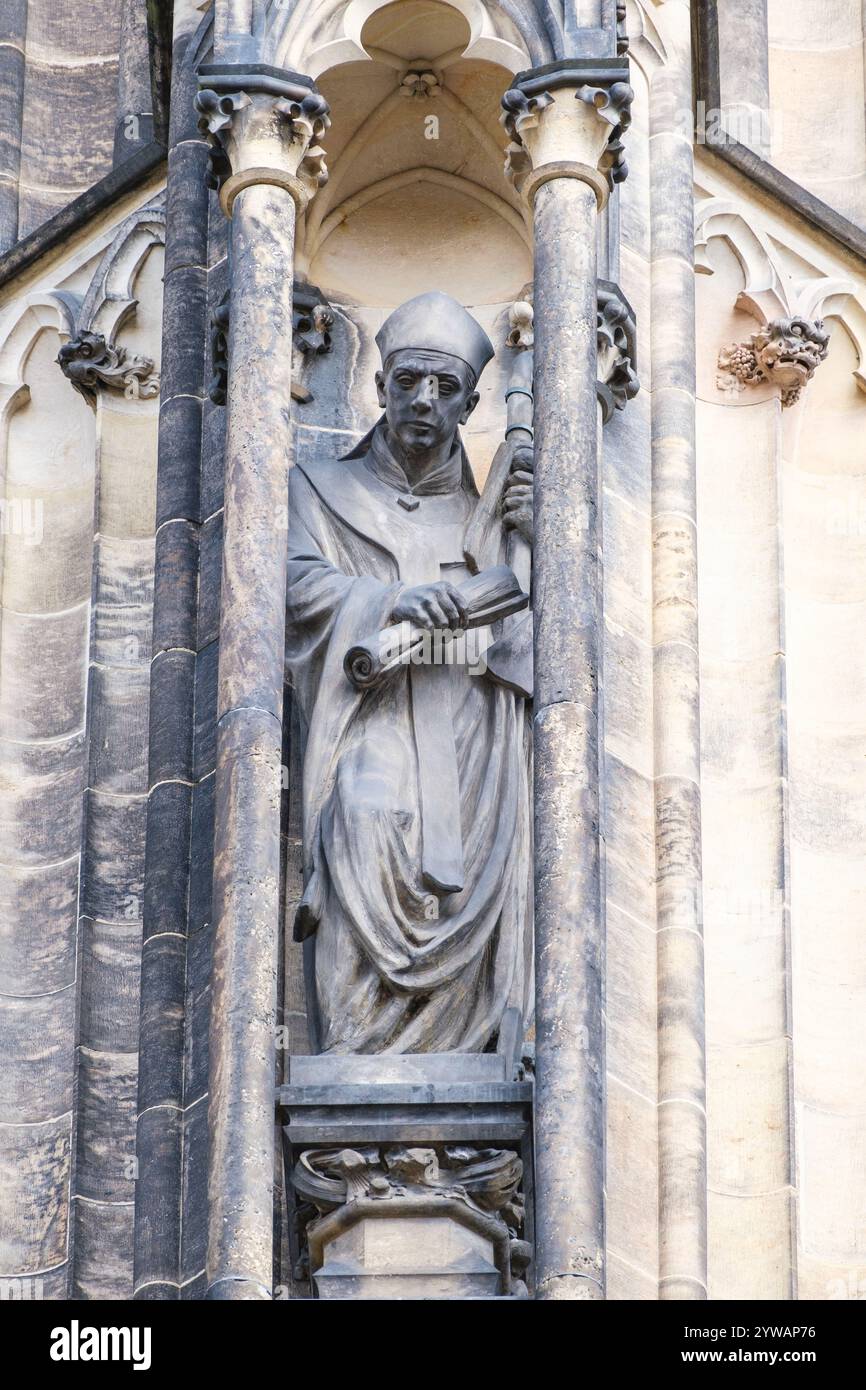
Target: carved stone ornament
313,319
90,357
523,107
786,352
477,1189
613,103
262,126
521,321
219,351
89,362
520,111
420,81
617,381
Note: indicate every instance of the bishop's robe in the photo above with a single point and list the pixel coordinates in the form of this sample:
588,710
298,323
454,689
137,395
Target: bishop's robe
416,812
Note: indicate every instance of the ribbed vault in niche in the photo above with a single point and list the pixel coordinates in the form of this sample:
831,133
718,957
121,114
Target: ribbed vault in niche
416,197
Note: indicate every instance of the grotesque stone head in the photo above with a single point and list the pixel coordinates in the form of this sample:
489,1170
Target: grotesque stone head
433,353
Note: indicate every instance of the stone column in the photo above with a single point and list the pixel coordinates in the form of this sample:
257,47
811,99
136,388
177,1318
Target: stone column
263,124
565,121
676,692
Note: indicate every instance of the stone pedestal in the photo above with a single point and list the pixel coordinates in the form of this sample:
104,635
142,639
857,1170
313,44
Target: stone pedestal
411,1176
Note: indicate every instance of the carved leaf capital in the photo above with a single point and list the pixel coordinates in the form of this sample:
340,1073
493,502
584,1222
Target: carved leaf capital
262,132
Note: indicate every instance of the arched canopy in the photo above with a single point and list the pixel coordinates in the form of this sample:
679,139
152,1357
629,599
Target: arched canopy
313,36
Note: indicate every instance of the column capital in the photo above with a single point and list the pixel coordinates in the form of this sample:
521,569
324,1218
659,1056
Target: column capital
786,352
567,120
264,125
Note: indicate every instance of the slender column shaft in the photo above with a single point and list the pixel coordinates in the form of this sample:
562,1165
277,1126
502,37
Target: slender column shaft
569,923
681,1043
249,741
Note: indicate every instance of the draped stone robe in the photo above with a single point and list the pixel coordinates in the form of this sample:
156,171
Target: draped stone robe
416,814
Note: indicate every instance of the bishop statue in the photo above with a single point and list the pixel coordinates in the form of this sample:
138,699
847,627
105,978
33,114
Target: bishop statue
417,902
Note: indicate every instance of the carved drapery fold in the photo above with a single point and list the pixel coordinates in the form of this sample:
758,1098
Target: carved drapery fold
600,86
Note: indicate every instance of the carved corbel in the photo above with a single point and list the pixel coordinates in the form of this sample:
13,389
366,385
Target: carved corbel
478,1188
786,352
90,362
312,321
263,126
568,120
617,381
91,358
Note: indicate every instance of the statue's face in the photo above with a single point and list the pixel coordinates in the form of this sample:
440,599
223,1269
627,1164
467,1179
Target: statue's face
425,395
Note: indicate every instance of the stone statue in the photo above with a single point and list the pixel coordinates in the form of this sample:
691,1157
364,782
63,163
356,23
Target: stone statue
416,812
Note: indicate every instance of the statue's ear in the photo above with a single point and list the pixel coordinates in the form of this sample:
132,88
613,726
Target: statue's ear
380,387
471,403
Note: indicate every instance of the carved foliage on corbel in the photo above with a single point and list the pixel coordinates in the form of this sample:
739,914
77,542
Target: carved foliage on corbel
786,353
792,339
616,338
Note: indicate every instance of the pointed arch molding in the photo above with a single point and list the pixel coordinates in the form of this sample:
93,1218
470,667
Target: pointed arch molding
312,36
327,197
421,174
771,291
107,304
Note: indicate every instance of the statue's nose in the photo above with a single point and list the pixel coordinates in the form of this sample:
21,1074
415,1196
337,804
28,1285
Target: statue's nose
426,393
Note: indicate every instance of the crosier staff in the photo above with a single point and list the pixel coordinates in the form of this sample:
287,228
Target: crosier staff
509,659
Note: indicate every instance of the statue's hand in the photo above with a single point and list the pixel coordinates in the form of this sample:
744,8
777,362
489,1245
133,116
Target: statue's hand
517,497
431,605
